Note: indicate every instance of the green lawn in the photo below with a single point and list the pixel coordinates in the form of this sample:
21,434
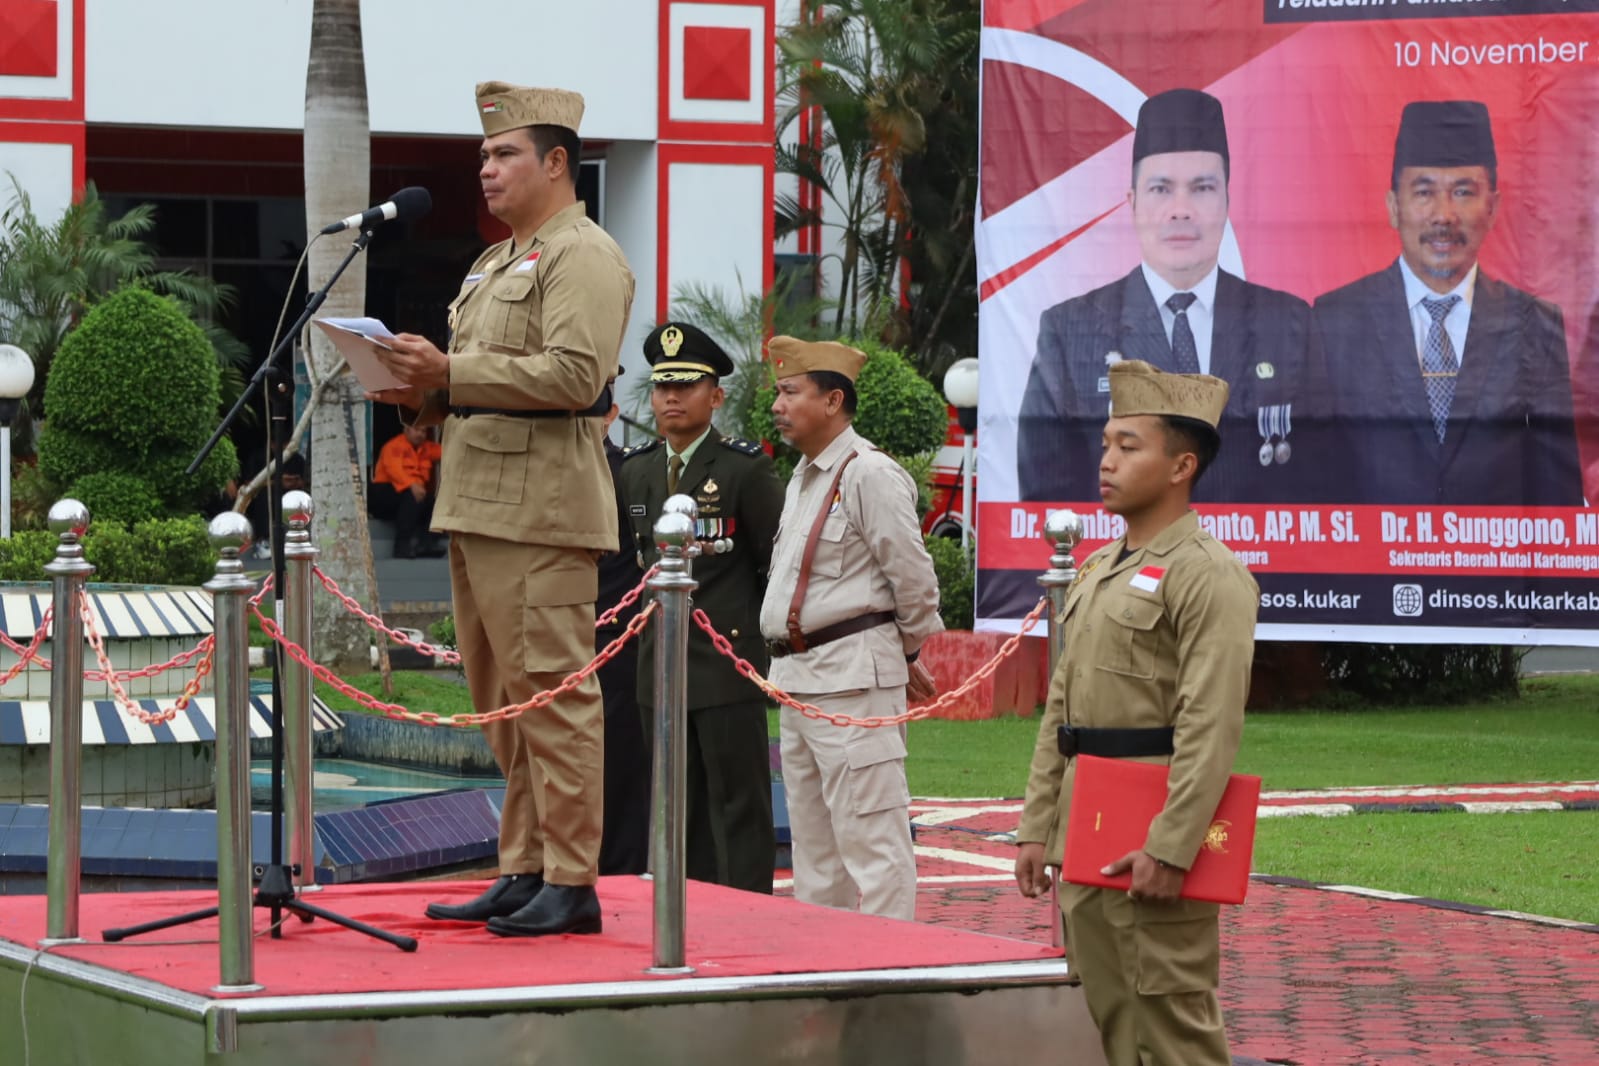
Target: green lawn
1540,862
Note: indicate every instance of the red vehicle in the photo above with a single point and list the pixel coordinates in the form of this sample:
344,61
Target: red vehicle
944,517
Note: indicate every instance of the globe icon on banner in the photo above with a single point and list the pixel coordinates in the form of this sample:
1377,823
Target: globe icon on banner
1407,600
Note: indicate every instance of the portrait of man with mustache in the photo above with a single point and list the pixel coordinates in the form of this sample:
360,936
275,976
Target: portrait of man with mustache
1448,386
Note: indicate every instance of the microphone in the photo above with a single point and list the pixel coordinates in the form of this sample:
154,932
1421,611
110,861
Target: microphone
410,202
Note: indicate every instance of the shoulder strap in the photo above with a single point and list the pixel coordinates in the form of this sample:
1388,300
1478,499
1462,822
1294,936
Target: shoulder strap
796,635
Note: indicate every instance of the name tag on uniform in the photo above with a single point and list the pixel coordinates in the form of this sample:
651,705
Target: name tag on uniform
529,263
636,509
470,278
1102,385
1148,579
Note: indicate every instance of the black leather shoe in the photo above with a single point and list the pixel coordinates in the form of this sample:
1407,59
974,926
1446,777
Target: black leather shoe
557,909
505,896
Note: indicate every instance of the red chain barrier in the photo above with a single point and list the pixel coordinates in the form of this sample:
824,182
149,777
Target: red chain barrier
30,653
926,710
448,656
432,718
112,677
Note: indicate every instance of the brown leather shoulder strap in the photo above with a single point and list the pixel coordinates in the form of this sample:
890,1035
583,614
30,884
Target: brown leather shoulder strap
796,635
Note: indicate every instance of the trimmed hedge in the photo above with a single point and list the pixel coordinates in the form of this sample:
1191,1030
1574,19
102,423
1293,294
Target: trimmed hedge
164,551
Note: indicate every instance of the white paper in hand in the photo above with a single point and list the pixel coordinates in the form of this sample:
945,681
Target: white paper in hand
357,339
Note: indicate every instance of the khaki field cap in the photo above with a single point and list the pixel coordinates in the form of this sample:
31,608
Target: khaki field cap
503,106
791,356
1136,388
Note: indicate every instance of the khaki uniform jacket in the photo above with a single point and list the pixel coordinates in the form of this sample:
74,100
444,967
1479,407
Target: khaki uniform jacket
1177,656
739,497
537,330
870,558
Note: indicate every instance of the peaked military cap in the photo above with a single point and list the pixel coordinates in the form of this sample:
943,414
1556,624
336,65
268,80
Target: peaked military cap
680,352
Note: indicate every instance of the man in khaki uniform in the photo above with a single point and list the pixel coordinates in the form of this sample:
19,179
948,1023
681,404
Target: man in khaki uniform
1159,638
850,599
526,496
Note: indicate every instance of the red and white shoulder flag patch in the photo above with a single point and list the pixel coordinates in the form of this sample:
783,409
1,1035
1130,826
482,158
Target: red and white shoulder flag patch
1148,579
530,262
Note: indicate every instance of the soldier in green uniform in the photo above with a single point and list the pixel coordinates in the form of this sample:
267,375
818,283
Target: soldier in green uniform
739,499
525,495
1159,639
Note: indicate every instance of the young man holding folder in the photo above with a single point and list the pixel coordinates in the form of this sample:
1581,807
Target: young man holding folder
1159,640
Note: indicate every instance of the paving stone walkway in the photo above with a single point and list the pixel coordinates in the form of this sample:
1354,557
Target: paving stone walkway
1332,975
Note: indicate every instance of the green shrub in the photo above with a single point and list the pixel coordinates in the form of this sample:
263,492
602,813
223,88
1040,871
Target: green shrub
165,551
116,496
442,632
1422,673
955,581
899,411
133,390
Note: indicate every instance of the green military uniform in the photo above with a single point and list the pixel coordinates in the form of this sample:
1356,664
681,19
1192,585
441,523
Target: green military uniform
739,498
1172,648
525,493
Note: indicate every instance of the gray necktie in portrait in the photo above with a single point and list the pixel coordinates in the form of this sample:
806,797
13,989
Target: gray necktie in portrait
1185,354
1438,364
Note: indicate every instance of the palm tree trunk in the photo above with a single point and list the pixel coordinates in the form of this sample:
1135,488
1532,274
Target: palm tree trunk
337,182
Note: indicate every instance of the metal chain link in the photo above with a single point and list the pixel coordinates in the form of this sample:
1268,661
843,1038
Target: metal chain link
111,678
30,653
432,718
926,710
446,655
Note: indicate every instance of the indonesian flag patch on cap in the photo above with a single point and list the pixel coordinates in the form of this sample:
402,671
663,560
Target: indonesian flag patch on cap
1148,579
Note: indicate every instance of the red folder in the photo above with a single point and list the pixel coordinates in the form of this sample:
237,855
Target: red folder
1113,802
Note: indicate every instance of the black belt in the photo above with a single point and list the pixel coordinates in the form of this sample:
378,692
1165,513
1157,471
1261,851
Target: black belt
598,409
779,648
1114,743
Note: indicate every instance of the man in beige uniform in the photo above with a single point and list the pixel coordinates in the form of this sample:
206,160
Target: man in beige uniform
1159,638
526,496
850,598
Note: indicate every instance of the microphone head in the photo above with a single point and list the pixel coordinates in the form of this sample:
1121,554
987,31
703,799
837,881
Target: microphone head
413,201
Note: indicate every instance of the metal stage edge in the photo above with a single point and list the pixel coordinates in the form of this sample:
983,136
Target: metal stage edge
57,1011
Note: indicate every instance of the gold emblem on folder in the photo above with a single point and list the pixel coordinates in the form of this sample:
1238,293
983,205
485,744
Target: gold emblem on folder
1216,836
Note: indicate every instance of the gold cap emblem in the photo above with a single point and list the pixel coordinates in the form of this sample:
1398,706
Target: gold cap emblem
1216,836
671,341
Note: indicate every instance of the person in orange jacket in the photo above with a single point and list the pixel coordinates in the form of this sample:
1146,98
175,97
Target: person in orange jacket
403,490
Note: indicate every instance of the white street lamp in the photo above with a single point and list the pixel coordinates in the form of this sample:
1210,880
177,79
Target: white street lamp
960,389
16,378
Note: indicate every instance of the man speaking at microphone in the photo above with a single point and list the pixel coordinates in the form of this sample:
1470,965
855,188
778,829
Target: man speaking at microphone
526,497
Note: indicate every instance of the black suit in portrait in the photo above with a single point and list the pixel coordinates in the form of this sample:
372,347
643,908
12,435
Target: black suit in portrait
731,840
1510,441
1258,345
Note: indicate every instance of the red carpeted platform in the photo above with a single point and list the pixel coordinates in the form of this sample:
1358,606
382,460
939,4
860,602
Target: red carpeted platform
729,934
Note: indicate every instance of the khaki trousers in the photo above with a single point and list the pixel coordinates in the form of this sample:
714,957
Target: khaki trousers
524,620
1149,975
849,806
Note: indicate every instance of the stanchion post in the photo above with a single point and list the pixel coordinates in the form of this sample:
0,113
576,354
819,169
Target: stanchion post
299,557
69,571
1063,529
672,585
229,588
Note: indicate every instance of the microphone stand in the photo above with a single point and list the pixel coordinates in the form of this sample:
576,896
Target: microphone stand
276,883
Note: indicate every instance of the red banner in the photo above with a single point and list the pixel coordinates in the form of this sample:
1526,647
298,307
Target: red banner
1388,247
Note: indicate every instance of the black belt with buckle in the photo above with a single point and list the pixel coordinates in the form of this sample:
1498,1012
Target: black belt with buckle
1114,743
598,409
850,626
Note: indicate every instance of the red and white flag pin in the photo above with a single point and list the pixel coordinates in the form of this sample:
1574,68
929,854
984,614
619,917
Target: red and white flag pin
1148,579
529,263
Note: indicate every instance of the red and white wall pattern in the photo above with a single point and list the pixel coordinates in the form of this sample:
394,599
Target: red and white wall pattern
41,101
